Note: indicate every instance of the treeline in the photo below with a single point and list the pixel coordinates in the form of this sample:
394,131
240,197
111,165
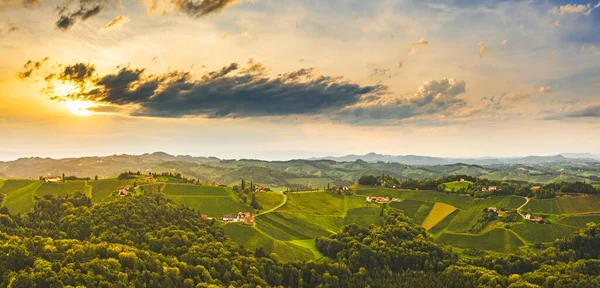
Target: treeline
129,175
480,187
149,241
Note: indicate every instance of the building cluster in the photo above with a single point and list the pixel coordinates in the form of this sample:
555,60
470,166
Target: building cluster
382,199
53,179
489,188
534,219
243,217
125,190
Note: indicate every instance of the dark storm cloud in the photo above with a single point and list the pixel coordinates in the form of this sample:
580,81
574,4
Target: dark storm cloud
432,98
231,91
591,111
31,66
201,8
84,9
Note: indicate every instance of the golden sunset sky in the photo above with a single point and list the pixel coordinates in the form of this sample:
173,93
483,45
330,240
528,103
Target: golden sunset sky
295,79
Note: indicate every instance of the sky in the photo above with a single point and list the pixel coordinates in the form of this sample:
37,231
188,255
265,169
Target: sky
279,79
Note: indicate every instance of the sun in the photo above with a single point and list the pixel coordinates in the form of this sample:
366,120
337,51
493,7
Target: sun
80,108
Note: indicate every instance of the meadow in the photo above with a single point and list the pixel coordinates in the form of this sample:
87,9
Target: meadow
102,189
564,205
21,200
455,186
540,233
579,221
61,189
499,240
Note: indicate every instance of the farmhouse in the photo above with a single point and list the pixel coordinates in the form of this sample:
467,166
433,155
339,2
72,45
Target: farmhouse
462,180
258,188
245,217
528,216
53,179
396,200
204,216
378,199
483,189
493,209
230,218
125,191
216,183
492,188
537,220
536,187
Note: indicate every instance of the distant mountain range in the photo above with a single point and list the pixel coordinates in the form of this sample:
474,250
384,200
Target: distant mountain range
427,160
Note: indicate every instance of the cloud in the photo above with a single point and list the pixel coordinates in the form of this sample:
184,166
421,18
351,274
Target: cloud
591,111
437,98
504,42
415,46
574,9
116,22
230,92
515,97
31,67
72,11
545,90
483,50
401,63
224,36
194,9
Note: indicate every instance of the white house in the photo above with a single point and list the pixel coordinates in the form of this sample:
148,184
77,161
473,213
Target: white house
528,216
52,179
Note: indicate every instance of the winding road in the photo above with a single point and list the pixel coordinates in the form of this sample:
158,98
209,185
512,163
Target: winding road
519,209
276,207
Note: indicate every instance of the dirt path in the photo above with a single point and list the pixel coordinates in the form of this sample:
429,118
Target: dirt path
276,207
519,209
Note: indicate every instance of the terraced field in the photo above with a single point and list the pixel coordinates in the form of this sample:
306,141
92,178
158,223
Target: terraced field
437,214
253,239
579,221
565,205
211,200
61,189
539,233
499,240
21,200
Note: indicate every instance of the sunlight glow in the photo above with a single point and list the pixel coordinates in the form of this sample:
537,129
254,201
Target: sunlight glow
80,108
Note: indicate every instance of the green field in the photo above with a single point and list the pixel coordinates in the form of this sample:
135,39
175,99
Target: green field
437,214
21,200
61,189
444,223
499,240
579,221
12,185
252,239
456,185
314,183
269,200
314,203
102,189
195,190
539,233
289,226
364,216
213,206
151,187
564,205
417,210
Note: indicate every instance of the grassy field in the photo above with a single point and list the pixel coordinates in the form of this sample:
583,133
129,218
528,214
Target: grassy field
151,187
579,221
363,216
21,199
213,206
417,210
61,189
444,223
314,203
314,183
564,205
437,214
194,190
102,189
12,185
539,233
499,240
289,226
269,200
457,185
252,239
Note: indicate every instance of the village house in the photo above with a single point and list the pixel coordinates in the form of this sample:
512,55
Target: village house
492,188
378,199
537,220
244,217
230,218
125,190
396,200
528,216
53,179
216,183
536,187
204,216
483,189
258,188
493,209
462,180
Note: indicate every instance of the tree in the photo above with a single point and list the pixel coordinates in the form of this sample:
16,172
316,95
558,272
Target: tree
96,177
369,180
243,184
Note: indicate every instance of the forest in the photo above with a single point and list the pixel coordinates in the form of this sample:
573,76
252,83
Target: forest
151,241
